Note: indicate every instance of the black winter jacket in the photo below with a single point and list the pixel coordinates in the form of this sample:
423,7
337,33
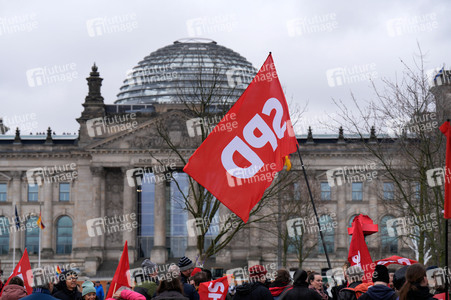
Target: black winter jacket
252,291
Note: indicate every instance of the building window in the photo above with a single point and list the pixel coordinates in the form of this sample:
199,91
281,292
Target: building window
325,191
389,191
146,204
32,235
64,235
3,192
416,190
328,231
296,191
4,235
357,191
389,235
33,193
64,192
178,215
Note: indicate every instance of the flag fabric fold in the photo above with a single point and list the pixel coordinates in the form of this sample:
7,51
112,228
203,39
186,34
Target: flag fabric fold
214,290
399,260
358,252
122,274
238,160
446,130
22,269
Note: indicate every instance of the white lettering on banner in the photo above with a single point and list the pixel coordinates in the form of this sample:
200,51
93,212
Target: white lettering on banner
267,136
214,290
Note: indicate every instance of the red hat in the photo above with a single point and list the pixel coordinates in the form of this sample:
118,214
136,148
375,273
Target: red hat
257,271
195,271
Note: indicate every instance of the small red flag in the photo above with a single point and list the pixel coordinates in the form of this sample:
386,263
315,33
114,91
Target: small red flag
399,260
21,270
358,252
122,275
446,130
214,290
238,160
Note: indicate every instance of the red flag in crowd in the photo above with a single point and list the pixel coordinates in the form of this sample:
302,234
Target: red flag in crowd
446,130
238,160
399,260
21,270
358,252
214,290
122,274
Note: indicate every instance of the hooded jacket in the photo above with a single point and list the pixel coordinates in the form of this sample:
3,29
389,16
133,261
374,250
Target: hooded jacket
379,292
300,288
13,292
422,293
252,291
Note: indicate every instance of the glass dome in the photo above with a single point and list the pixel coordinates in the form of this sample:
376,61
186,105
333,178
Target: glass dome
188,70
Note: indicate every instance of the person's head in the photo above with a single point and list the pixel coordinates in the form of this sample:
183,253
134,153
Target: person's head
149,268
97,283
257,273
172,284
186,266
283,276
391,275
16,280
380,275
173,271
415,278
300,278
399,278
315,280
198,278
88,292
354,273
70,278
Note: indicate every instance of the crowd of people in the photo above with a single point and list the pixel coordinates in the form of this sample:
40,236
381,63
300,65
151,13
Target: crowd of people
407,283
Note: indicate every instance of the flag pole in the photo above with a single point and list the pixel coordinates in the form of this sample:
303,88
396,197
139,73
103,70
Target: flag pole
14,236
40,234
446,251
314,208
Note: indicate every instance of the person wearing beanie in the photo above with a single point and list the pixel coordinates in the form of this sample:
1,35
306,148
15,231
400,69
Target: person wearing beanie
150,282
255,288
88,291
67,286
186,266
188,290
280,284
380,290
300,288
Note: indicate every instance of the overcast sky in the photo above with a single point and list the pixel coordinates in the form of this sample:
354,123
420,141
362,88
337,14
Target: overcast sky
315,46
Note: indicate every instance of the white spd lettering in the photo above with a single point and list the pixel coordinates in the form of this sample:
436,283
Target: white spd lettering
249,130
213,290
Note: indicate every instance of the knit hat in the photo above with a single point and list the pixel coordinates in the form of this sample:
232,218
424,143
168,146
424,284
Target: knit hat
195,271
148,267
185,264
399,278
381,274
88,287
257,271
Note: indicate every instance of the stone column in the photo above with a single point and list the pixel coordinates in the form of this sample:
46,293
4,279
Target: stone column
129,208
341,236
16,198
159,253
192,251
97,176
47,217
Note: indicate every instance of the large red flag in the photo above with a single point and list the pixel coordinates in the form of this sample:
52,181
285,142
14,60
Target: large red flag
446,130
122,275
358,252
214,290
21,270
399,260
238,160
